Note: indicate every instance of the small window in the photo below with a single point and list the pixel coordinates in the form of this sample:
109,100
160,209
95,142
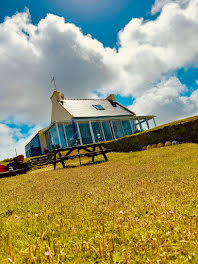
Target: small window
99,107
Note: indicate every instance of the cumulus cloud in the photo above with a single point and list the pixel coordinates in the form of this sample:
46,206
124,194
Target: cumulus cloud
159,4
12,138
30,55
149,50
167,101
148,55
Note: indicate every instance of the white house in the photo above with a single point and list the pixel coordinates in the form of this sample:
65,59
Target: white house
84,121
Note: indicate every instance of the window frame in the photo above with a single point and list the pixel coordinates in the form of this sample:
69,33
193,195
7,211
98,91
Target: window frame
100,107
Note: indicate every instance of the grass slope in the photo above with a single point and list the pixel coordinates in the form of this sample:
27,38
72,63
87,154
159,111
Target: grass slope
139,207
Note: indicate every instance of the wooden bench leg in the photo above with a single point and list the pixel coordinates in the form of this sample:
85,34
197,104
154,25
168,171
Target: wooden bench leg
63,164
54,161
79,157
93,157
104,155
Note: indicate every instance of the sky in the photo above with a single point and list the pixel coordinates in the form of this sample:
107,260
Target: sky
145,52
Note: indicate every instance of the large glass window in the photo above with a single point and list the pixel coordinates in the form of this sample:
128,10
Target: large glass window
28,153
33,147
85,133
133,126
107,130
72,138
62,136
138,128
126,127
144,126
48,141
118,130
55,137
97,131
33,143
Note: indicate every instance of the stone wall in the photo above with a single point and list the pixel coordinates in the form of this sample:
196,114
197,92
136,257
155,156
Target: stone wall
185,130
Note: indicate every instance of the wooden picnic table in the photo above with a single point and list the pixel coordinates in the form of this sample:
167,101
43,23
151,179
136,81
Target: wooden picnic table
12,173
89,151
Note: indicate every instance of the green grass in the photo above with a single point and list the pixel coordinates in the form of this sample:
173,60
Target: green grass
139,207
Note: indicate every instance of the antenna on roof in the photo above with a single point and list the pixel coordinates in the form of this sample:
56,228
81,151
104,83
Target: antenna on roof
54,82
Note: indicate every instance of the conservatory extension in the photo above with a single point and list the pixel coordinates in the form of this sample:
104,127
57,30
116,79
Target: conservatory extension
68,134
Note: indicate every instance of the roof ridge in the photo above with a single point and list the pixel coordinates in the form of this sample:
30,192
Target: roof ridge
87,99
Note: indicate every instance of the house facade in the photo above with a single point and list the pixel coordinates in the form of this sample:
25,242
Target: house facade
85,121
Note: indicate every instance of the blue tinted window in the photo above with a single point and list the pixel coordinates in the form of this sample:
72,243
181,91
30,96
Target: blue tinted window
97,131
48,141
72,138
107,130
62,136
118,130
126,127
133,126
99,107
33,147
55,141
33,143
85,133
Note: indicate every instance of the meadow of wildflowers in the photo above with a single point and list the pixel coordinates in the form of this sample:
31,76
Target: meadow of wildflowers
139,207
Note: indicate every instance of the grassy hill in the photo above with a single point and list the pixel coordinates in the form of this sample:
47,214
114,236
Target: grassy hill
139,207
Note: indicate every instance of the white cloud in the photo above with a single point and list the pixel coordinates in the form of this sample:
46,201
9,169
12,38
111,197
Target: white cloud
159,4
167,102
12,138
149,52
30,55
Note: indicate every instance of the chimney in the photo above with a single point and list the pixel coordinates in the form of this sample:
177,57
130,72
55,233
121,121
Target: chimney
62,97
55,97
111,97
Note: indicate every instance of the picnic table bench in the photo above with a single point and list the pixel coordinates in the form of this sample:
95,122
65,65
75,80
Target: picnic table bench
12,173
89,151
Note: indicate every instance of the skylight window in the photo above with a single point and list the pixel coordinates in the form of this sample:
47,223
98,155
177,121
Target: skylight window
99,107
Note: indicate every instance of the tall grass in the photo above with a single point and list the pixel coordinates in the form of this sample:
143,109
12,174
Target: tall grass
139,207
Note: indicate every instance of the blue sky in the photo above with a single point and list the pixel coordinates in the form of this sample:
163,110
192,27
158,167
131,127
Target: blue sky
102,21
136,68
